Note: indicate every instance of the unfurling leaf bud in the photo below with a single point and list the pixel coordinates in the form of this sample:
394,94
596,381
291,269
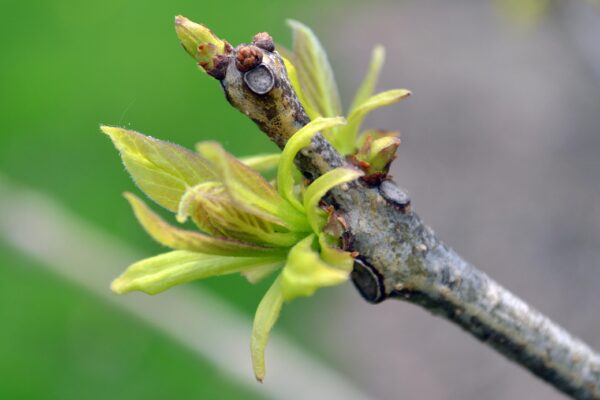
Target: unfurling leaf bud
203,45
377,150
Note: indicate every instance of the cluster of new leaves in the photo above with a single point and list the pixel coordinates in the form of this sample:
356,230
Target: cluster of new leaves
313,80
246,224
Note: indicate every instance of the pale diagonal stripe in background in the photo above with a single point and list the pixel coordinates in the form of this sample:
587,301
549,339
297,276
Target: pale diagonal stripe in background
43,230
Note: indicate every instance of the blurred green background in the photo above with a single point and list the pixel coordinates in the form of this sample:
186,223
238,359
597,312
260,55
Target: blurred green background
517,97
66,67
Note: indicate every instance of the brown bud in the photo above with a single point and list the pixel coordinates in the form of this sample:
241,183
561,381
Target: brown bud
264,41
247,58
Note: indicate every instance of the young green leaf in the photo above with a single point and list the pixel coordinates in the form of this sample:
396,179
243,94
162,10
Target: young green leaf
368,85
300,139
333,256
382,152
181,239
346,139
266,315
257,274
305,271
314,71
156,274
162,170
249,190
319,188
213,211
262,162
295,81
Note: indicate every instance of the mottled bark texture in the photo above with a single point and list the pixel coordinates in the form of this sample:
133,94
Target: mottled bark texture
399,256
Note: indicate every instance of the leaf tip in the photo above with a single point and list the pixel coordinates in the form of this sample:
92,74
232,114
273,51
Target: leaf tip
114,133
134,201
108,130
118,286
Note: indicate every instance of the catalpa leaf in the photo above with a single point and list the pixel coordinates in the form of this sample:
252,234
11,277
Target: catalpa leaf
156,274
334,256
314,71
212,210
305,271
295,81
266,315
162,170
181,239
262,162
382,152
318,189
346,138
256,275
249,190
300,139
368,85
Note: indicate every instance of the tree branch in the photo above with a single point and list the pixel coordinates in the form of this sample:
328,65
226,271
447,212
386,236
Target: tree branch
400,257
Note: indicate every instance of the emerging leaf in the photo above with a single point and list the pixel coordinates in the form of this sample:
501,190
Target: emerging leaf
156,274
258,274
266,315
213,211
262,162
300,139
181,239
199,42
382,153
314,72
346,139
377,150
333,255
319,188
305,271
249,190
295,81
162,170
368,85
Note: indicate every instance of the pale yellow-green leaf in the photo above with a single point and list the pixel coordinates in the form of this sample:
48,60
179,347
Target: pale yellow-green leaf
382,151
368,85
249,190
212,210
257,274
525,12
300,139
266,315
294,80
318,189
181,239
162,170
314,71
156,274
262,162
334,256
345,141
305,271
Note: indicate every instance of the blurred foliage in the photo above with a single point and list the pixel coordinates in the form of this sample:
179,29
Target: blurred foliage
524,11
528,12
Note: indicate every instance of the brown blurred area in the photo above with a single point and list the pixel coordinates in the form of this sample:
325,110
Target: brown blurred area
501,155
